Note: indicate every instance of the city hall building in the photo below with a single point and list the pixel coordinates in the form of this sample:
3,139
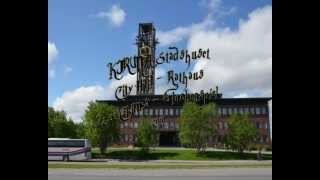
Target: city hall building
165,114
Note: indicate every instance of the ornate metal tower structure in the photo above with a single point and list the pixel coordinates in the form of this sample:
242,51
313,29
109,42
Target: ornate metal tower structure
146,42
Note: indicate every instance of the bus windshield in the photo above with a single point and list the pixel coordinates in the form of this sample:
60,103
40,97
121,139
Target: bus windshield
66,143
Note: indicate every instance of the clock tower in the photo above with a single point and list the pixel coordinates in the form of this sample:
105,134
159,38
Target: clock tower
146,42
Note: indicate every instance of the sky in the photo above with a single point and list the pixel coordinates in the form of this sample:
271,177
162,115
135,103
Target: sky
84,36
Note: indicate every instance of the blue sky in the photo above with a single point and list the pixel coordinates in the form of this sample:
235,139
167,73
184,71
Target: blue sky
86,35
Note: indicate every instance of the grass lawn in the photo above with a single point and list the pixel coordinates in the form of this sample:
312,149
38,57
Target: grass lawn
167,154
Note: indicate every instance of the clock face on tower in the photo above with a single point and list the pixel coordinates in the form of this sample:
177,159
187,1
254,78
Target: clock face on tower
145,50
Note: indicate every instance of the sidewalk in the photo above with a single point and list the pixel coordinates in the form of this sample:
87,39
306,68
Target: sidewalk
178,161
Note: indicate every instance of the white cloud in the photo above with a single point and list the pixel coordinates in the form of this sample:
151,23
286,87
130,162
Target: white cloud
175,35
52,55
52,73
52,52
115,15
74,102
215,12
241,60
211,4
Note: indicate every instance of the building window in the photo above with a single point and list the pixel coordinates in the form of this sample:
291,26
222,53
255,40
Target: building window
136,113
181,110
241,110
177,125
166,112
235,110
224,111
257,125
121,125
141,113
156,111
171,125
166,126
252,110
151,112
160,112
177,112
126,124
135,124
264,111
146,112
171,112
230,111
266,125
246,110
258,110
126,138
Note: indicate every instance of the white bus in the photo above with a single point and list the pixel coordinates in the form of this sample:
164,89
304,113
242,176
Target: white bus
65,149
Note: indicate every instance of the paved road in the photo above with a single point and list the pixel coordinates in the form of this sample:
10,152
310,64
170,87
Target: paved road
162,174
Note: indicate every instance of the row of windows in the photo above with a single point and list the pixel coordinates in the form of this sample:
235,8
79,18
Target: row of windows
128,138
133,138
221,111
129,125
224,125
173,125
165,125
242,110
159,112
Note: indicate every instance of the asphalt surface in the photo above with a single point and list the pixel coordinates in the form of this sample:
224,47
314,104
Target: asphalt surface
162,174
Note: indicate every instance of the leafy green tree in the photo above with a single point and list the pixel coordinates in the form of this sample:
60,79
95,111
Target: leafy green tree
50,122
59,125
197,124
80,130
146,134
102,124
242,132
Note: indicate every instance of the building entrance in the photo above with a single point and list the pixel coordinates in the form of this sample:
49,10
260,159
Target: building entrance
168,139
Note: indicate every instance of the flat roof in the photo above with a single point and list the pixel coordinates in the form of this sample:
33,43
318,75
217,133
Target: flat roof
156,100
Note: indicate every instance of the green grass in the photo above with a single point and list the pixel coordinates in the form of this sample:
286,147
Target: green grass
152,166
158,154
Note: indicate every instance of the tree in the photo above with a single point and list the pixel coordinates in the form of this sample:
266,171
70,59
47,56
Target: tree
197,124
242,132
59,125
50,122
102,124
146,134
80,130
